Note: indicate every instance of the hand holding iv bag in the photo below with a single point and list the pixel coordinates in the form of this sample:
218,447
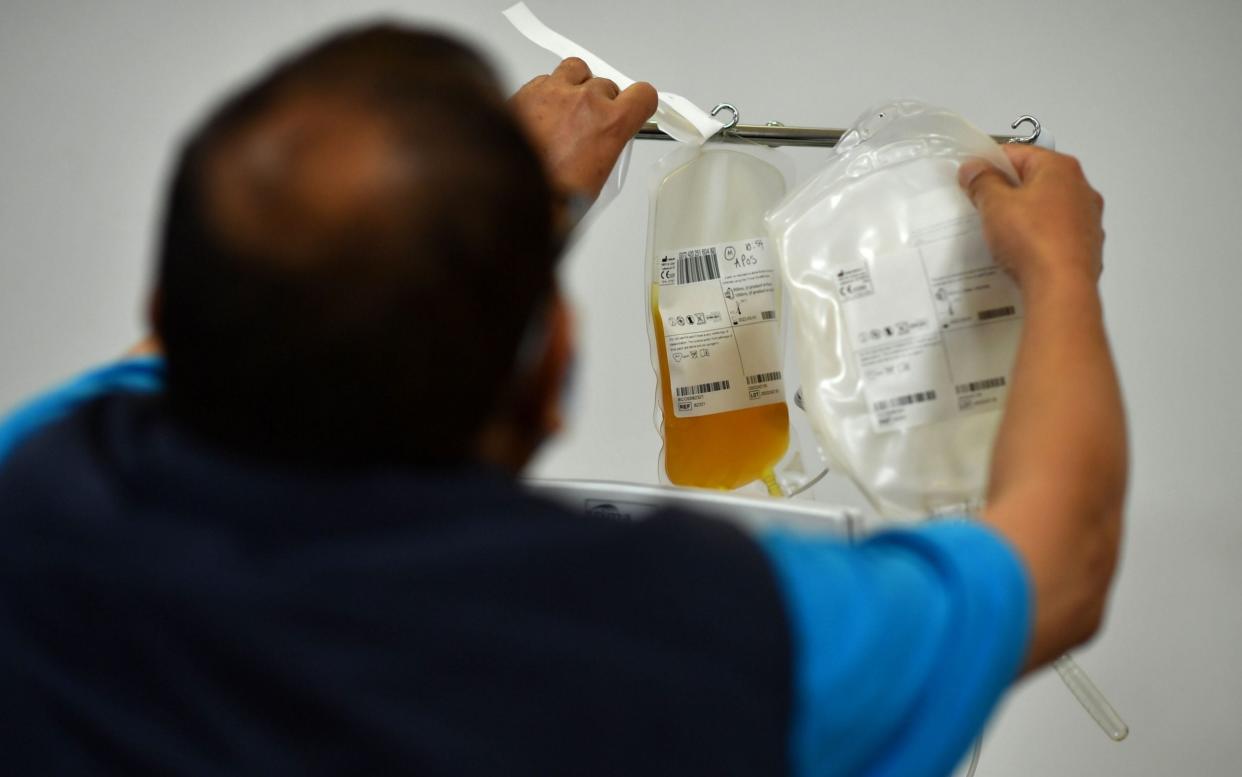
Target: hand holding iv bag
906,327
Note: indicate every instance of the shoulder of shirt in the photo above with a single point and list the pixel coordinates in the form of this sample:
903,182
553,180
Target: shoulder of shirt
140,374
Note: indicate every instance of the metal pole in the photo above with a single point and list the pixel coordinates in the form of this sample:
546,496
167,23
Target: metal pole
779,135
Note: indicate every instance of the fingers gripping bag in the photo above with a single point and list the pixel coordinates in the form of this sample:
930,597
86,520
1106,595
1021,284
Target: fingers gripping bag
906,329
715,320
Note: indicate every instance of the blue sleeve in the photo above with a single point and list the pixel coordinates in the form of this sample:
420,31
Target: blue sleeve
139,374
902,645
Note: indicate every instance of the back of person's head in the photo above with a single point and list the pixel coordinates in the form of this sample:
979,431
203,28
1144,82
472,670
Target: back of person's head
353,249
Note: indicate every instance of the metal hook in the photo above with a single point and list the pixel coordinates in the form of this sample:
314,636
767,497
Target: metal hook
730,108
1036,129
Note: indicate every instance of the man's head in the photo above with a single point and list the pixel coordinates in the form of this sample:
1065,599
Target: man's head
356,250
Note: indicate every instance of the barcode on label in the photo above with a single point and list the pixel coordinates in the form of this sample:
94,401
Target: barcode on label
980,385
908,399
763,377
988,315
767,315
702,388
697,266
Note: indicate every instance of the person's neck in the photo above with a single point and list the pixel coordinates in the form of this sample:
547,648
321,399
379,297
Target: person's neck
504,448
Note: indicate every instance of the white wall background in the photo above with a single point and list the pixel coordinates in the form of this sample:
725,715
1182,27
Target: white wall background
94,95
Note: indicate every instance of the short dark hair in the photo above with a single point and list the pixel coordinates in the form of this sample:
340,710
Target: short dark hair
366,322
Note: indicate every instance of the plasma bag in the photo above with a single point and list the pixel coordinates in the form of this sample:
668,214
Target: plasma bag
715,318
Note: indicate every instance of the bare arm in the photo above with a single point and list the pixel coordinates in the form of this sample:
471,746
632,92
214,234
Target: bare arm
1059,467
580,124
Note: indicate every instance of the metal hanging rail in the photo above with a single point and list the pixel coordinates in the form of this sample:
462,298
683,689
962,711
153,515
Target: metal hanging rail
769,135
776,134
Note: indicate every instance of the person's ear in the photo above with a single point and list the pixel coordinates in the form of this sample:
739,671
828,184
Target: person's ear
533,412
552,373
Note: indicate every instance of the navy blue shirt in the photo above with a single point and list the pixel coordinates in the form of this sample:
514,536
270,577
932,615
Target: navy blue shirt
168,607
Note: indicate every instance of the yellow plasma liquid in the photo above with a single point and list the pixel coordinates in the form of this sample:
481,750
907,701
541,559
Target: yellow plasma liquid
723,450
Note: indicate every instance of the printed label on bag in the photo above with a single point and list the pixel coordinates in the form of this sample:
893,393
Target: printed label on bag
935,334
719,307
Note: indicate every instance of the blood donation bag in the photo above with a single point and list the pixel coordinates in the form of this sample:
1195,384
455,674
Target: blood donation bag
905,327
715,313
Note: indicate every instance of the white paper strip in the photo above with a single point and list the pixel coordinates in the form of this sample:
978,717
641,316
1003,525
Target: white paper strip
676,115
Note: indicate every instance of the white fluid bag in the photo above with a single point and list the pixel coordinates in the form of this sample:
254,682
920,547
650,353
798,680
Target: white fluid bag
906,328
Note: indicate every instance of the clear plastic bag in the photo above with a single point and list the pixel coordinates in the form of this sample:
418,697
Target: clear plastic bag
905,328
715,317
